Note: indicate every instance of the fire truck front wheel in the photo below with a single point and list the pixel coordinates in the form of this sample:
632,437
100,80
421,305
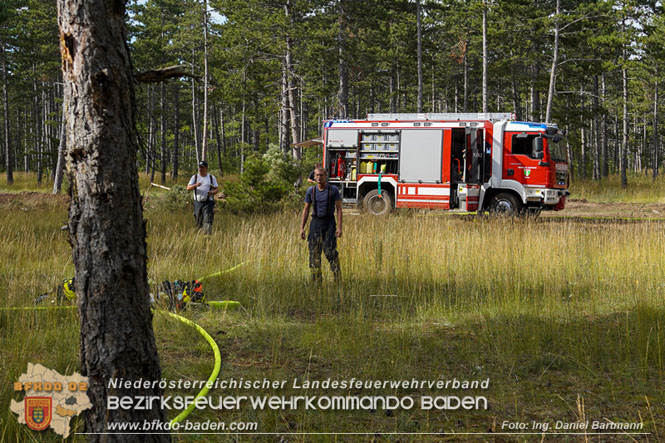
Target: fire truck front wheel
505,204
377,204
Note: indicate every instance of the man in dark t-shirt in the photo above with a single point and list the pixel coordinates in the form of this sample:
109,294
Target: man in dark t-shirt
310,177
323,231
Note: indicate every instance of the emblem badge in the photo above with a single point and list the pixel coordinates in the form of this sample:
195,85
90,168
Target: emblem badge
38,412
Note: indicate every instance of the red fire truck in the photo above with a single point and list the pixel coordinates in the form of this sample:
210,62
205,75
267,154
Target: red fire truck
464,162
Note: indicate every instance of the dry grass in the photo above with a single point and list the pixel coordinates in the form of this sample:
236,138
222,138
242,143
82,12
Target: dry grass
548,311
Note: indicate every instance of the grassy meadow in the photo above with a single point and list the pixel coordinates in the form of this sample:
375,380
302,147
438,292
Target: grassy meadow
566,319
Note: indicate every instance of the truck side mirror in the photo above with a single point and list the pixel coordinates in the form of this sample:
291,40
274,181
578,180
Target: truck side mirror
538,149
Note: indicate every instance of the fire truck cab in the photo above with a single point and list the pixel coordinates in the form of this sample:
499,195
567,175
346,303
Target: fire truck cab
463,162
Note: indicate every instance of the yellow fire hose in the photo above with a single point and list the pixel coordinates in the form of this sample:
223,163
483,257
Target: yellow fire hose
215,274
226,304
215,370
199,329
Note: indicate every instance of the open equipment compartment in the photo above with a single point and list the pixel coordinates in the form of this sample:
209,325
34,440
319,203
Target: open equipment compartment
341,154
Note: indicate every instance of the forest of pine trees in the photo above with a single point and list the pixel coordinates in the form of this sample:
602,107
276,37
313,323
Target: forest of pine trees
263,73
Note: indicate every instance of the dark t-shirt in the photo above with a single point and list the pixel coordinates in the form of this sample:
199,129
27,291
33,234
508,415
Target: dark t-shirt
322,199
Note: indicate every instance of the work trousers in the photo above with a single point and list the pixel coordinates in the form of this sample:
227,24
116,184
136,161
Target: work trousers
203,214
322,238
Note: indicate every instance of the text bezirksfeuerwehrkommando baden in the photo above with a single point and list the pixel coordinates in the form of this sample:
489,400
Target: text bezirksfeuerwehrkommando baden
297,383
326,401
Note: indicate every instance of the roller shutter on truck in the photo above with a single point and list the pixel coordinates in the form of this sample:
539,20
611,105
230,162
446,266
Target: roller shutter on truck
420,155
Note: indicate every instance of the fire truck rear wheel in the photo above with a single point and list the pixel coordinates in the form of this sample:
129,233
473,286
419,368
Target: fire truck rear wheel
505,204
377,204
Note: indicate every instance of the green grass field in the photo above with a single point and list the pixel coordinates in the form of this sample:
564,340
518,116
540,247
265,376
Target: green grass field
566,319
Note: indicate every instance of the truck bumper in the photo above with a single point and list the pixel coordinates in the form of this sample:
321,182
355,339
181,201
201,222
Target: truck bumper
547,198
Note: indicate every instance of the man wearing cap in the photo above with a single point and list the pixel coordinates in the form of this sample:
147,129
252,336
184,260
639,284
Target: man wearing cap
205,187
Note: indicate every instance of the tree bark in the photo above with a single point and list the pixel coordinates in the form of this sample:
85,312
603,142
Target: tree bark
215,126
204,135
535,93
195,134
283,115
595,132
163,157
555,61
9,152
583,138
484,56
420,57
605,148
465,63
60,165
293,110
176,130
106,225
624,146
654,154
654,162
343,92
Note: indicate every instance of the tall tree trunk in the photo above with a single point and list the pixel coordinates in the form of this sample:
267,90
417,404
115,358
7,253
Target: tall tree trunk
595,132
293,110
624,146
163,156
9,152
60,165
215,125
151,110
654,161
465,63
484,56
242,134
106,226
223,130
535,92
204,139
36,127
195,132
393,90
153,135
23,137
516,95
617,142
283,114
583,137
343,92
605,148
420,57
555,61
176,131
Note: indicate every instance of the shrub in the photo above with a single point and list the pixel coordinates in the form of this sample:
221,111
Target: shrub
265,182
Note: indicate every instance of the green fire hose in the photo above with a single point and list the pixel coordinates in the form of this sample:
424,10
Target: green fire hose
215,370
199,329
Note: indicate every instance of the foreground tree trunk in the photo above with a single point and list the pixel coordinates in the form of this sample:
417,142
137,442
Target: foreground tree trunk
106,226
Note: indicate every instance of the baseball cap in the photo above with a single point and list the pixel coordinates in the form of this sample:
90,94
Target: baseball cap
203,164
